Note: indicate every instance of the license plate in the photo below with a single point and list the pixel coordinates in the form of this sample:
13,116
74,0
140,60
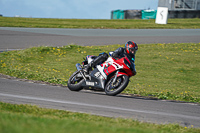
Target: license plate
90,83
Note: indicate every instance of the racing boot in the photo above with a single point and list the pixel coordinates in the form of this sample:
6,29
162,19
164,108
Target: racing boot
86,69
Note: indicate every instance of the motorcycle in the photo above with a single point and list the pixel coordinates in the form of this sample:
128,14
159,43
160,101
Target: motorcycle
111,76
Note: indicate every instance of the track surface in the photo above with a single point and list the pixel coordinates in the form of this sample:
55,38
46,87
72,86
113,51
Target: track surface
15,91
148,110
20,38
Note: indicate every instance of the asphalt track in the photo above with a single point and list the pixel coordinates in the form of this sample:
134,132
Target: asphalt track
143,109
148,110
20,38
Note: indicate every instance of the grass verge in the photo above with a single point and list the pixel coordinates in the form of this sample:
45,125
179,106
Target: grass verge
166,71
98,23
32,119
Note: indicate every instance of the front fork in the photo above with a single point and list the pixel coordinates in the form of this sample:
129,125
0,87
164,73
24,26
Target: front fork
79,68
115,78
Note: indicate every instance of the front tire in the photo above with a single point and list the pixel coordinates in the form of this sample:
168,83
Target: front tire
121,83
74,83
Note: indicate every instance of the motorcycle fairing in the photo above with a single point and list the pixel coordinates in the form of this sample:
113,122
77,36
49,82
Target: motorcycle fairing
96,80
121,73
109,67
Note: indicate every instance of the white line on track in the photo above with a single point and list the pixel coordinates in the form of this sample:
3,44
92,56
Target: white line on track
100,106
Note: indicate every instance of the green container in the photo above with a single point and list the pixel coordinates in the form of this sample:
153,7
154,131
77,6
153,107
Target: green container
149,14
118,14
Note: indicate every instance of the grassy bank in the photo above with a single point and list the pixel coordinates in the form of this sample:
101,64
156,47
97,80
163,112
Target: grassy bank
32,119
166,71
98,24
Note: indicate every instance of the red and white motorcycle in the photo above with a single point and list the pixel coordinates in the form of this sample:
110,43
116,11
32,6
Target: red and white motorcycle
112,76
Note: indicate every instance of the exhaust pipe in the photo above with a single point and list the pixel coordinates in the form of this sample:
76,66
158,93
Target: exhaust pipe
78,67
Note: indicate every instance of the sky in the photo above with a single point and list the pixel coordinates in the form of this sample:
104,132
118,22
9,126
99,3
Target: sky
77,9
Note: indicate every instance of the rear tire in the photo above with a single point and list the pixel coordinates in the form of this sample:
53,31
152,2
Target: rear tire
116,88
75,84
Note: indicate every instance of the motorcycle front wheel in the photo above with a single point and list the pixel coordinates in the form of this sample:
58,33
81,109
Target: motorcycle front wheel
74,82
120,84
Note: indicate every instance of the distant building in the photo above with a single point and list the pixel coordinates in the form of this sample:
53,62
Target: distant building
180,4
181,8
176,9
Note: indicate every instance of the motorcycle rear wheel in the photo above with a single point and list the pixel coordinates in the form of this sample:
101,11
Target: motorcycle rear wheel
113,89
74,83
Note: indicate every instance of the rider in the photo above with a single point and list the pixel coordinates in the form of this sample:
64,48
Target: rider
129,50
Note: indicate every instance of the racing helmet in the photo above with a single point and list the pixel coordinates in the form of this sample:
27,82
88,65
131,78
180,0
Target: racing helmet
131,47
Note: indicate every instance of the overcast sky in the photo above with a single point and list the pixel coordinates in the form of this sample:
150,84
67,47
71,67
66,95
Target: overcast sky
80,9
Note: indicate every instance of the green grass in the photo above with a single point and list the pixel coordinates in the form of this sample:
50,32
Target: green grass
32,119
165,71
98,23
